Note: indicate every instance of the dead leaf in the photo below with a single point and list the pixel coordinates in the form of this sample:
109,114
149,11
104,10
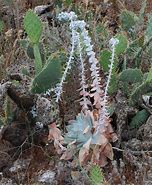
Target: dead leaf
69,153
84,151
58,146
112,137
98,157
108,151
99,139
55,133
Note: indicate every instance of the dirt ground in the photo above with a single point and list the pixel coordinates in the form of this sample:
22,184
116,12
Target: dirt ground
26,155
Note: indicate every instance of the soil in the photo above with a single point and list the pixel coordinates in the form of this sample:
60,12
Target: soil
26,155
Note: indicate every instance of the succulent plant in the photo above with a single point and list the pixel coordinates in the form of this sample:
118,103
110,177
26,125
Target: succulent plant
139,119
128,19
48,77
122,45
96,175
149,27
76,130
131,76
82,134
144,88
105,57
33,27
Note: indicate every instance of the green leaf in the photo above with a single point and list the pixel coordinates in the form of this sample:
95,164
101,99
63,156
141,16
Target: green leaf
131,76
1,25
8,2
149,27
48,77
33,26
139,119
113,87
68,2
122,45
149,76
144,88
105,57
25,71
102,30
30,51
96,175
143,10
135,46
38,60
59,3
128,19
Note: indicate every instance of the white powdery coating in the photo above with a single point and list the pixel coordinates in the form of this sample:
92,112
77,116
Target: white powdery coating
84,102
96,86
65,16
104,115
59,87
78,26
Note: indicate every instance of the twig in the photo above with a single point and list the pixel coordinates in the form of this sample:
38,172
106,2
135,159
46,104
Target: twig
132,151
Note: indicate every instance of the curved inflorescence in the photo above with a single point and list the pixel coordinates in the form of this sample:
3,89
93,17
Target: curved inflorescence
81,42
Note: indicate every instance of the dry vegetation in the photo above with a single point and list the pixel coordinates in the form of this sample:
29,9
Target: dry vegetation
28,154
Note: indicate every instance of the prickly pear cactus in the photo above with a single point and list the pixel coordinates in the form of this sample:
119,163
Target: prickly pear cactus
140,118
105,57
122,45
48,77
131,76
128,19
144,88
1,25
149,27
96,175
33,26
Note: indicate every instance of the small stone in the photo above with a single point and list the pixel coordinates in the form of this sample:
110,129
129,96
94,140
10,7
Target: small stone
75,175
47,177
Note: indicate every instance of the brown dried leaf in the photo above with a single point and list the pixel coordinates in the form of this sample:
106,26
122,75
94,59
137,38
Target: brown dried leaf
101,153
98,157
58,146
55,133
108,151
84,151
110,134
99,139
68,154
95,155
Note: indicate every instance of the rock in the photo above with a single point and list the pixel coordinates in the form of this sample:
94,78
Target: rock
20,165
6,181
145,131
47,176
75,175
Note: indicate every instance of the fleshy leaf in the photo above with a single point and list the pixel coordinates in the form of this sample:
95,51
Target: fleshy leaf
33,26
122,45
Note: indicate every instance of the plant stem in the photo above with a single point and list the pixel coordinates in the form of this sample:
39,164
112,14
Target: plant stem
38,60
